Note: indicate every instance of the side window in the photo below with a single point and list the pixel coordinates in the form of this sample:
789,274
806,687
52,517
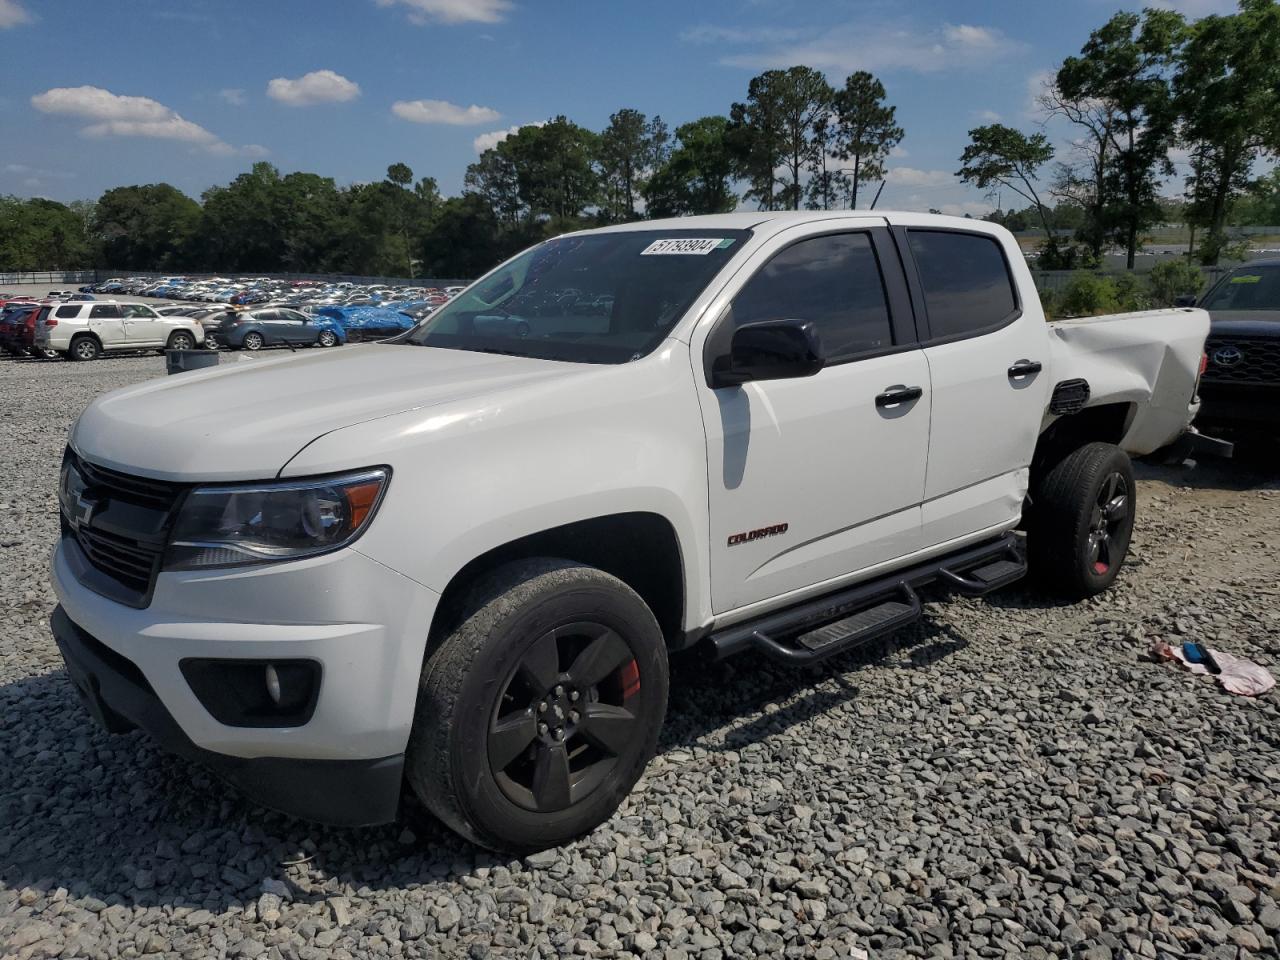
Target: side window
833,281
105,311
967,286
67,312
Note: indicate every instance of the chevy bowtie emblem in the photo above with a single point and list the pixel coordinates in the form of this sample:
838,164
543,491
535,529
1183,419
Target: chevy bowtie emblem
83,509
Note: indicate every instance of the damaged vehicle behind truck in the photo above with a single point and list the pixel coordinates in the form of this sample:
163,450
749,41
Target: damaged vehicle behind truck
460,559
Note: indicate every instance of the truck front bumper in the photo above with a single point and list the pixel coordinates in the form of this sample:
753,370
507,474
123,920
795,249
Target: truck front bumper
360,626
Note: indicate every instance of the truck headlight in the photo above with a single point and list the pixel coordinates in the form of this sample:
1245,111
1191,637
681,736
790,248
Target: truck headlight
228,526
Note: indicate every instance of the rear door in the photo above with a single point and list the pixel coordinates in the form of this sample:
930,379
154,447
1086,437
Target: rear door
816,480
107,321
987,349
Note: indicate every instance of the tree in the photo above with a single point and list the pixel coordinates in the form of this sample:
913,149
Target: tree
999,156
1125,67
399,175
493,177
631,148
697,175
39,234
553,169
864,130
151,226
1082,180
1227,89
775,128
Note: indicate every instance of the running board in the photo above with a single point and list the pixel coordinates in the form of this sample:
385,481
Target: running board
817,629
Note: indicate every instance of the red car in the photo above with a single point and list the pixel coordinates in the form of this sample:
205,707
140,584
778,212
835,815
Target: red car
18,330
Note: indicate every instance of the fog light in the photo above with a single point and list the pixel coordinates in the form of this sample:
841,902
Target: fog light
255,693
273,684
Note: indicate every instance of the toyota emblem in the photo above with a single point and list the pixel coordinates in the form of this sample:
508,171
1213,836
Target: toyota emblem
1227,356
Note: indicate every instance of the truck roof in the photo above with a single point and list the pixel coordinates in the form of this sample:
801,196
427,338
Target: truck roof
776,220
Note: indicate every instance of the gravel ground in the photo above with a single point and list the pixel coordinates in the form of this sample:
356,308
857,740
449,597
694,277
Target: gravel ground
1007,779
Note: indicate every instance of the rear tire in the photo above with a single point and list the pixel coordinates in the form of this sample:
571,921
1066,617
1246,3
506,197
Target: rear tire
545,754
84,348
253,341
1081,521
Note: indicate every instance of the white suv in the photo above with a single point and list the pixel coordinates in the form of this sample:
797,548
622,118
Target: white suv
83,331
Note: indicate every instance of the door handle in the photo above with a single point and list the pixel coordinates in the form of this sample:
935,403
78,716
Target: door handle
1024,368
895,395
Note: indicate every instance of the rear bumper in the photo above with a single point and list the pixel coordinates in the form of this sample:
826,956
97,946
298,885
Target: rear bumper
118,696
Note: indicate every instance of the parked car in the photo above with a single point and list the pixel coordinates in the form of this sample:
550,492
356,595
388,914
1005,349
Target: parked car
275,326
13,320
368,323
461,558
1240,389
83,331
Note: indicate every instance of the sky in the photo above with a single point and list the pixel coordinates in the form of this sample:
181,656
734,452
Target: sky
103,93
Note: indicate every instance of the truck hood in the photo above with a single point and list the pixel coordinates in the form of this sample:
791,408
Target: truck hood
245,420
1244,323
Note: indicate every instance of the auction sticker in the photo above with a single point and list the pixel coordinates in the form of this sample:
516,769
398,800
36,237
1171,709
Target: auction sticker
688,246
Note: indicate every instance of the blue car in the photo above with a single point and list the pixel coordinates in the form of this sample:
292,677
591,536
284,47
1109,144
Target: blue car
272,326
368,323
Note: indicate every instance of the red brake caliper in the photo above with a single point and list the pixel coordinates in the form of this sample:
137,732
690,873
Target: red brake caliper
630,680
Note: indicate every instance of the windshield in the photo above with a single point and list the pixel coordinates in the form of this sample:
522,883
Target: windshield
592,298
1247,288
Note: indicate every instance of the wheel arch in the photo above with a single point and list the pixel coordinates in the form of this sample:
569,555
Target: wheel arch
640,548
1105,423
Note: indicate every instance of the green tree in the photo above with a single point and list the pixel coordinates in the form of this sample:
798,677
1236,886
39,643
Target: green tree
697,175
864,130
1126,67
553,167
631,148
239,229
775,127
1227,90
493,178
146,227
1000,156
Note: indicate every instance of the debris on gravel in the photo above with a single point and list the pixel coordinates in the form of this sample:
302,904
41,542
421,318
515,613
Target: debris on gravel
1008,778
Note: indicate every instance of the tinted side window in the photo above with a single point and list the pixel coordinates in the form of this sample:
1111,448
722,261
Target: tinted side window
833,281
105,311
967,286
68,312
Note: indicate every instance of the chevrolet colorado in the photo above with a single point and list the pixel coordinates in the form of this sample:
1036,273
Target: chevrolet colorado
459,559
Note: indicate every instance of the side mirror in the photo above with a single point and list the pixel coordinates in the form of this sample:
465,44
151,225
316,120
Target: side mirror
772,350
1186,300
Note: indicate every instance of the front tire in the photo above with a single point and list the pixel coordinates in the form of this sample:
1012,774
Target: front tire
1081,521
546,753
327,338
181,340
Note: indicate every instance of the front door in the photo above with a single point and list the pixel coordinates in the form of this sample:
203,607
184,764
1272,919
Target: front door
143,327
814,480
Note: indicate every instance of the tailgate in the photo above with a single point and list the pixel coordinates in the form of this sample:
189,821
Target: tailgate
1150,359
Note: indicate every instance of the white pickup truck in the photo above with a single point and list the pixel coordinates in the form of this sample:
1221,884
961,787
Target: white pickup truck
461,558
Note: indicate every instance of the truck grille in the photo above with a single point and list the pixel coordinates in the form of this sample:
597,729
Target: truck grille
1243,360
121,523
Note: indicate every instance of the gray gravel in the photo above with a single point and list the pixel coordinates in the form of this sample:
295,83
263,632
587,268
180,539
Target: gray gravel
1007,779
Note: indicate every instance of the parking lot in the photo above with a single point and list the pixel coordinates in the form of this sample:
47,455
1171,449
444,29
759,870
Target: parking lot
1008,778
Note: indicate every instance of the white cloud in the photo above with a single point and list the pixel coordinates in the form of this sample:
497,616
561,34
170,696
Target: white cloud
487,141
442,111
12,14
863,46
987,116
233,95
453,11
709,33
117,115
973,208
911,177
318,86
899,152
